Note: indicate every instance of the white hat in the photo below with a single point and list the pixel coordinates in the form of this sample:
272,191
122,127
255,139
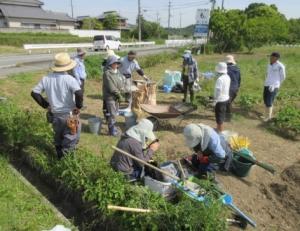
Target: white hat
63,62
187,52
111,53
230,59
192,134
221,68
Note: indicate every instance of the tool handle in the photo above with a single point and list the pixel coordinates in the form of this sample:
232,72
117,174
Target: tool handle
126,209
145,163
240,213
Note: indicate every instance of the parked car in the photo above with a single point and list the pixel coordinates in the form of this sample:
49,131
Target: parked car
105,42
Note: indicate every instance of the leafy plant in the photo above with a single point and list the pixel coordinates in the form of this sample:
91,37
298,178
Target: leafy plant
247,102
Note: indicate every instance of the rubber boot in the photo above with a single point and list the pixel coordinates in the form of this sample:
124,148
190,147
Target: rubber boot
59,152
269,113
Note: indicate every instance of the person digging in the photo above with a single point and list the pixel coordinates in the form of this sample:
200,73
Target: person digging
139,141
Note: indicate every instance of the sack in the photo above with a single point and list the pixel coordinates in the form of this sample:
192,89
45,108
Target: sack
146,94
73,123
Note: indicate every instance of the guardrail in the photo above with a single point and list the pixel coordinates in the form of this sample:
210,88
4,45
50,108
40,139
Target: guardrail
184,42
48,47
31,47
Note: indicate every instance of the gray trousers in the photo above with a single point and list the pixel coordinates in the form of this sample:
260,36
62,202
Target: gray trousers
63,139
112,108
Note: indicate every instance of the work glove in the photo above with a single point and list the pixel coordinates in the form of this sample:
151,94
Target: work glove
271,88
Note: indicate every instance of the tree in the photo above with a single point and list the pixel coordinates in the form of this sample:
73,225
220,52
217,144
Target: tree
91,24
227,28
150,30
111,21
294,30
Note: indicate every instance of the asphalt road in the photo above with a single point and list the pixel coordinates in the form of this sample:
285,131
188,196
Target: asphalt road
13,64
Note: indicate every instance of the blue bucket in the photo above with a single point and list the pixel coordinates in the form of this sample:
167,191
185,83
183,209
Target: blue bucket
167,89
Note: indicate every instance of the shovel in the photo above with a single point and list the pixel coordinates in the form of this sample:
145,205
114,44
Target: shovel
265,166
228,201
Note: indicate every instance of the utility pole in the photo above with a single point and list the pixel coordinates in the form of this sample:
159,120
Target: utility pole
139,21
222,4
72,9
157,18
169,15
212,9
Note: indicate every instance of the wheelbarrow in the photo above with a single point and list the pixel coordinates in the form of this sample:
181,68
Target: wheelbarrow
166,111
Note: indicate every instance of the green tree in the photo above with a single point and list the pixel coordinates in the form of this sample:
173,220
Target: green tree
91,24
111,21
150,30
227,28
294,30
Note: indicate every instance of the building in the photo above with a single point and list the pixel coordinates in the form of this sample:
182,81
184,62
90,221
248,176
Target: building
29,14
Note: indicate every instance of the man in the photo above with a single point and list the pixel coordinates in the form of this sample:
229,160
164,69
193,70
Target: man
235,77
79,71
64,96
139,141
211,149
129,64
113,88
221,96
275,77
189,75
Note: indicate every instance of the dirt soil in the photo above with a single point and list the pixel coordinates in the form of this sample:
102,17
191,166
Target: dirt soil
273,201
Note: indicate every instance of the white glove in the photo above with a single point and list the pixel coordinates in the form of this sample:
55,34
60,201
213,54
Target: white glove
271,88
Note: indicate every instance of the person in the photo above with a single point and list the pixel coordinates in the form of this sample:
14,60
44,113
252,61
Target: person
79,72
113,88
212,152
129,64
189,75
235,83
139,141
104,65
221,95
64,96
275,77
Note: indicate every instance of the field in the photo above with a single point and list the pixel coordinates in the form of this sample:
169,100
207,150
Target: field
21,208
270,200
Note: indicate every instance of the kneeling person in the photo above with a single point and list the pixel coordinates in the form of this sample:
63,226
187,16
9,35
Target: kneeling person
139,141
211,149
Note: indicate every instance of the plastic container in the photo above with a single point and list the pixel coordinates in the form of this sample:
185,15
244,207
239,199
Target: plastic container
170,168
164,188
171,78
130,119
167,89
94,125
240,166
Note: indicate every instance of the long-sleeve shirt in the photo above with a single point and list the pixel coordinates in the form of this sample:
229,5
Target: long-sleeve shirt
113,84
222,88
215,146
79,71
235,76
125,164
275,75
190,71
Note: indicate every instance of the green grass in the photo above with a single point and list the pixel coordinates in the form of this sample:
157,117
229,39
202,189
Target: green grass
21,209
18,39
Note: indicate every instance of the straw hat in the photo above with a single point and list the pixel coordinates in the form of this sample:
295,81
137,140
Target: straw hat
63,62
221,68
230,59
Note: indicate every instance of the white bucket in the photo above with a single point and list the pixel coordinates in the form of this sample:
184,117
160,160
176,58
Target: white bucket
163,188
94,125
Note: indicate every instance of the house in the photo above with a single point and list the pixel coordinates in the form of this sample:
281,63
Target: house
122,20
30,14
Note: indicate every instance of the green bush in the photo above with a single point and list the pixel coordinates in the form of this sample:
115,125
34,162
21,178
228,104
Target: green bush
18,39
288,119
247,101
92,176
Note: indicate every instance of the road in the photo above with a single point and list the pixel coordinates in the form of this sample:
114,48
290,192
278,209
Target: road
13,64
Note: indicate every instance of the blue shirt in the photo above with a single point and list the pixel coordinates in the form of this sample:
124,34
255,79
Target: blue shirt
215,145
128,67
79,71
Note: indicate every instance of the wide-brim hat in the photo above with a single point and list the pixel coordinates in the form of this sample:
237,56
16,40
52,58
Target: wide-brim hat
221,68
230,59
112,59
193,135
63,62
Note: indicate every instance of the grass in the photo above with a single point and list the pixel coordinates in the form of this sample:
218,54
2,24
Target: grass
18,39
21,209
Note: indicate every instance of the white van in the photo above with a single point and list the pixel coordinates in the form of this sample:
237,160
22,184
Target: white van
106,42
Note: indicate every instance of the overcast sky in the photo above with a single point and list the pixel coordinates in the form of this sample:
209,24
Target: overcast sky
158,9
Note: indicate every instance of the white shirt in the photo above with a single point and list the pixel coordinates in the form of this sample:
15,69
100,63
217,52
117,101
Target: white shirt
222,88
275,74
60,89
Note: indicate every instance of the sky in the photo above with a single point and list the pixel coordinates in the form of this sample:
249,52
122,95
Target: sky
183,11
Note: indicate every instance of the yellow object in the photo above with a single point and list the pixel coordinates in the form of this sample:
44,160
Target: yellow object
239,142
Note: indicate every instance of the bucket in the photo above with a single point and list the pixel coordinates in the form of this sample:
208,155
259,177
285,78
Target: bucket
163,188
167,88
130,119
94,125
240,166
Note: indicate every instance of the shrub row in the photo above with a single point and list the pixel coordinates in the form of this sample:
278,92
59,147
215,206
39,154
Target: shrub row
97,183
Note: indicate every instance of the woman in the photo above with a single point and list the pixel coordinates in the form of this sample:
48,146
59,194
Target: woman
113,88
139,141
211,149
